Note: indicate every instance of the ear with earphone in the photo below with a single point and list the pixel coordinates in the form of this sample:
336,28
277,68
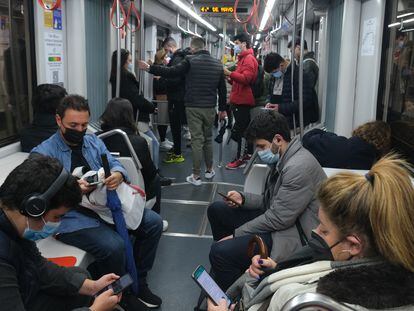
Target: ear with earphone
37,204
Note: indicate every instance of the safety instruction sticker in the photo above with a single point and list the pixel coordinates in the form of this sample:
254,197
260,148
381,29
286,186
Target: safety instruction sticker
369,32
57,19
54,58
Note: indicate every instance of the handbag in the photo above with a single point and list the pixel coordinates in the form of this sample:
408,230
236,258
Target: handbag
132,199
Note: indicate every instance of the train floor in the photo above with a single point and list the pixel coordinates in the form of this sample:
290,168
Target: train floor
186,243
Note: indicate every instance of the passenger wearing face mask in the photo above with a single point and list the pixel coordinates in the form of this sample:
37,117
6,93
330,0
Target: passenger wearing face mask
82,227
283,216
360,254
39,192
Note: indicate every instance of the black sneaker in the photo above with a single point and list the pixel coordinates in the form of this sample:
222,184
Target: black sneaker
165,181
148,298
132,303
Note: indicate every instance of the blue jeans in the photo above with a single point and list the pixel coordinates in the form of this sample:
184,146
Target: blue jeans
155,147
107,246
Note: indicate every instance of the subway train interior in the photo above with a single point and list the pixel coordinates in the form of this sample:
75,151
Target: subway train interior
363,54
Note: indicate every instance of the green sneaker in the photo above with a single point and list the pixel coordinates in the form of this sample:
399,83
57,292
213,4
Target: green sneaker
172,158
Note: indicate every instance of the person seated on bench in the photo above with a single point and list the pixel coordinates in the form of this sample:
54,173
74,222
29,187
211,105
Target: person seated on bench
27,280
283,216
368,143
82,227
118,115
46,98
365,234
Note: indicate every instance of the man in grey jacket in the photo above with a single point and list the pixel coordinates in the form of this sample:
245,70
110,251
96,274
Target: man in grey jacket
283,216
204,80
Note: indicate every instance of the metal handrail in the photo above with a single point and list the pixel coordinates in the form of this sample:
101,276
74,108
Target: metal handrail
302,39
126,140
314,300
293,61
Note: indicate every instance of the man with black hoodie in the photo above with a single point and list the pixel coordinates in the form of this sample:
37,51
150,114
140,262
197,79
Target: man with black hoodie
175,96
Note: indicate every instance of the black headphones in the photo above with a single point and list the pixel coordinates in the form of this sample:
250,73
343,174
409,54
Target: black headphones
36,204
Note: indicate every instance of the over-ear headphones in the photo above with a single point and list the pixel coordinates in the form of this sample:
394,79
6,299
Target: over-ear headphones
36,204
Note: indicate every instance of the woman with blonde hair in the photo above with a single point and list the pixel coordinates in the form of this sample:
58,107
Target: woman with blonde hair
364,245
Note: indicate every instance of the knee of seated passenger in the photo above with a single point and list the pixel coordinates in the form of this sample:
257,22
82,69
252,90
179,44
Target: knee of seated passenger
214,210
218,253
114,249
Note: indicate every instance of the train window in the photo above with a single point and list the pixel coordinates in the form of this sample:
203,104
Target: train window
14,71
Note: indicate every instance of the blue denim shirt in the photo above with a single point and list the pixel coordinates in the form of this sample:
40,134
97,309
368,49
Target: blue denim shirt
92,149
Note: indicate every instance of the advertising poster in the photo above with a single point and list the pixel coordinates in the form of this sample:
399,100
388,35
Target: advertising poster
54,58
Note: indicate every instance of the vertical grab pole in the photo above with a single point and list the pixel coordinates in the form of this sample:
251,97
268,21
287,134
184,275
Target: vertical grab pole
118,52
292,58
142,47
302,38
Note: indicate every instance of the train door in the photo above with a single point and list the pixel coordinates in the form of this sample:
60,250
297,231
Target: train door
396,87
16,18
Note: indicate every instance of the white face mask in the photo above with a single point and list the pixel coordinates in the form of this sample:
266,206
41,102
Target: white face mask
130,67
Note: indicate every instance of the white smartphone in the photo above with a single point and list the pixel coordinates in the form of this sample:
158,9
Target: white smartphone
206,282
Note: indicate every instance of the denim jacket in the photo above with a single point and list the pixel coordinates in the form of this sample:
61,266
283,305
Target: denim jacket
92,149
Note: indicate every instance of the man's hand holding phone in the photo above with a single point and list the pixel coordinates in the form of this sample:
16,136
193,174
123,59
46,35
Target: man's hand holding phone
233,199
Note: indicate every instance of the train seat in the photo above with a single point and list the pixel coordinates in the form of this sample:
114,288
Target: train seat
10,157
63,254
256,179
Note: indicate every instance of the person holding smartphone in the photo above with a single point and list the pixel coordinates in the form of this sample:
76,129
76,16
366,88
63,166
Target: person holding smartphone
36,193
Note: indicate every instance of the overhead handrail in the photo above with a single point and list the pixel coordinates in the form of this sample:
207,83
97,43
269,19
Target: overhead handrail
178,24
189,31
117,6
314,301
277,27
51,8
133,9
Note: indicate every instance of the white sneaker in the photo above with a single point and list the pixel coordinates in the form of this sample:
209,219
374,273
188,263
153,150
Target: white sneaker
169,142
164,225
196,182
165,145
210,175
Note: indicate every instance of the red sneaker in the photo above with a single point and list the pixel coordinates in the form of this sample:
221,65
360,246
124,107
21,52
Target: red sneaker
234,165
247,157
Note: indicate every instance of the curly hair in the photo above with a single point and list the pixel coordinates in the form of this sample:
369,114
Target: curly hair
266,125
376,133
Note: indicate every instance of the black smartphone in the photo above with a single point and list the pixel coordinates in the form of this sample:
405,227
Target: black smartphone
206,282
228,198
118,286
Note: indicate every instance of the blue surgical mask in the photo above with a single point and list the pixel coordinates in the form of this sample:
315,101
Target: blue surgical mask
268,157
401,44
48,229
237,49
130,67
278,74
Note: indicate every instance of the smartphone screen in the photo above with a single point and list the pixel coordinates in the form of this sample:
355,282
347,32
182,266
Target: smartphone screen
206,282
118,286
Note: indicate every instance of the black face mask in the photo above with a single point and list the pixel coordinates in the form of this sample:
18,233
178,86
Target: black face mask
320,249
73,136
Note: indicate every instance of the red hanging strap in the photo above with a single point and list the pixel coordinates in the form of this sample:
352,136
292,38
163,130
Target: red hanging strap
133,9
253,12
113,10
53,7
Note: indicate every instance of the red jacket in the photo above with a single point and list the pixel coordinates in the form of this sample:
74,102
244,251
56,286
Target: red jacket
243,78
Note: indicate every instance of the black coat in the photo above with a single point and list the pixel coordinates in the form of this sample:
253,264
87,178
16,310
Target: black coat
149,171
176,85
129,89
25,274
43,126
336,151
310,99
204,79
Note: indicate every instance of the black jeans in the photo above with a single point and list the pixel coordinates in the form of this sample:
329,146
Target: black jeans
229,259
242,119
177,119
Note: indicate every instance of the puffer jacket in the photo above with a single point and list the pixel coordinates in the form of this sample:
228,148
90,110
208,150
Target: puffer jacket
311,68
204,79
243,78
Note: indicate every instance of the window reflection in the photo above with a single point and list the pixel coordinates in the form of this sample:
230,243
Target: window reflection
14,109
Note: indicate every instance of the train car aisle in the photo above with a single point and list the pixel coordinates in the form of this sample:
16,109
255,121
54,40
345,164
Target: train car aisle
187,242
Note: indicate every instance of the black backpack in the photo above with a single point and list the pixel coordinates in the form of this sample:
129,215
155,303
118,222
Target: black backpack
258,85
